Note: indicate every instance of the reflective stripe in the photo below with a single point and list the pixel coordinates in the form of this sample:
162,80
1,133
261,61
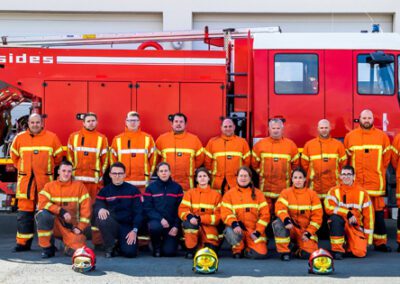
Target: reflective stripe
271,195
262,204
213,218
38,148
146,145
316,225
246,155
84,197
247,205
202,205
262,222
283,200
261,240
368,231
212,237
324,156
273,155
185,202
208,154
133,151
48,205
84,220
45,193
281,211
322,196
137,182
14,151
193,231
75,162
119,147
380,237
227,205
99,143
228,217
88,179
199,151
44,233
282,240
93,228
255,156
337,241
24,236
232,153
86,149
174,150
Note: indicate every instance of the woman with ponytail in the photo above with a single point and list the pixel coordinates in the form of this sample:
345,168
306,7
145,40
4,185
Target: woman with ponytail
245,212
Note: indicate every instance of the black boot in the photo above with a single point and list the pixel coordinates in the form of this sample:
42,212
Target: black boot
383,248
48,252
19,248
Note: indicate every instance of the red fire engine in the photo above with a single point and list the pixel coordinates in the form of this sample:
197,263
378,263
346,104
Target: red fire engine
255,75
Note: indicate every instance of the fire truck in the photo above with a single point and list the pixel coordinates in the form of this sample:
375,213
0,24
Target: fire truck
252,75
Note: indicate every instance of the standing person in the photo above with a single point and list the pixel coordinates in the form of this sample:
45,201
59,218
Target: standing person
224,155
64,212
200,213
350,214
119,214
181,150
299,213
136,150
323,157
369,153
274,158
161,202
245,211
34,152
88,153
396,166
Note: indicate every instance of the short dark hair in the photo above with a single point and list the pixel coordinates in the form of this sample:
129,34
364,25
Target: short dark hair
179,114
201,170
117,165
66,163
89,114
162,164
300,170
350,168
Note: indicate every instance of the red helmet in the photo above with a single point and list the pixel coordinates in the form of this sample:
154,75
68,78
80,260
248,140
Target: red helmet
320,262
83,260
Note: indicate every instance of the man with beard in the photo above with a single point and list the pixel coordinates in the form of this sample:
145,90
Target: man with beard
368,149
88,153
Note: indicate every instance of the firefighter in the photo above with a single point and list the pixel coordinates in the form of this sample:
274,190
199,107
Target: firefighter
119,214
88,153
161,202
182,150
64,212
351,214
245,210
34,152
369,153
396,166
200,215
299,213
224,155
274,158
136,150
323,158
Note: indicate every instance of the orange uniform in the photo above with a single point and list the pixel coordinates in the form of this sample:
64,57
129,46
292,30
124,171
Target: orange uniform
274,159
369,154
184,153
396,166
56,198
223,157
341,200
323,159
204,203
35,157
88,153
136,150
304,209
239,206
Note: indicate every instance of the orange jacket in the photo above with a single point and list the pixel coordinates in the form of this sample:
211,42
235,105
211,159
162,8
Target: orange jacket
238,205
274,159
369,153
184,153
136,150
224,156
342,199
202,202
302,206
71,196
323,160
35,157
88,153
396,164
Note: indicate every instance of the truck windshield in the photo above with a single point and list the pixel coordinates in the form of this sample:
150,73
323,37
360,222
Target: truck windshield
374,78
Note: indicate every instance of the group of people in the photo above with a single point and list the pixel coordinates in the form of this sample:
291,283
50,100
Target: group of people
205,193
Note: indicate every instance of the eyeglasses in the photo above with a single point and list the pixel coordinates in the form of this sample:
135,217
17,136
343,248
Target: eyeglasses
346,175
117,174
132,120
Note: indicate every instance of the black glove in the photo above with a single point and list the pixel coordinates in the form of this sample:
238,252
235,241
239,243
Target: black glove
257,234
308,235
349,215
287,221
62,212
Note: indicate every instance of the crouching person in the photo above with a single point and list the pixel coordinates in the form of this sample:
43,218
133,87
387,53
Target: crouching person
64,212
200,214
299,213
161,202
119,214
351,215
245,212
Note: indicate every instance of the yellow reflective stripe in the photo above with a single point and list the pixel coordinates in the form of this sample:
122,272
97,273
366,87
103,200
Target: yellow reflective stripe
316,225
58,151
199,151
185,202
14,151
37,148
322,196
44,233
247,205
271,194
273,155
190,231
283,200
261,240
48,205
395,150
314,238
119,148
202,205
344,157
99,144
24,236
262,222
316,207
300,207
282,240
386,149
228,217
83,197
212,237
45,193
324,156
229,153
366,146
255,156
183,150
227,205
75,143
183,215
93,228
84,220
64,199
380,237
305,157
337,240
213,219
297,156
281,211
146,163
262,204
208,154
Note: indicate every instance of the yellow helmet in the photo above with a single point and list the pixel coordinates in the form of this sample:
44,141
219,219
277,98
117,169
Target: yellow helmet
205,261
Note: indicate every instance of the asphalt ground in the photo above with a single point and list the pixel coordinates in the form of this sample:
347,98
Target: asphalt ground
28,267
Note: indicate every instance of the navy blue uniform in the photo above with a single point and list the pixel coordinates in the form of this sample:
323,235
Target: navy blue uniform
126,214
161,200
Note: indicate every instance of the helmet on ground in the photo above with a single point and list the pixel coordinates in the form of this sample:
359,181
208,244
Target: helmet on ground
205,261
231,237
83,260
320,262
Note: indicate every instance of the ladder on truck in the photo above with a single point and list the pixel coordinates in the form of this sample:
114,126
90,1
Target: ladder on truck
219,38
